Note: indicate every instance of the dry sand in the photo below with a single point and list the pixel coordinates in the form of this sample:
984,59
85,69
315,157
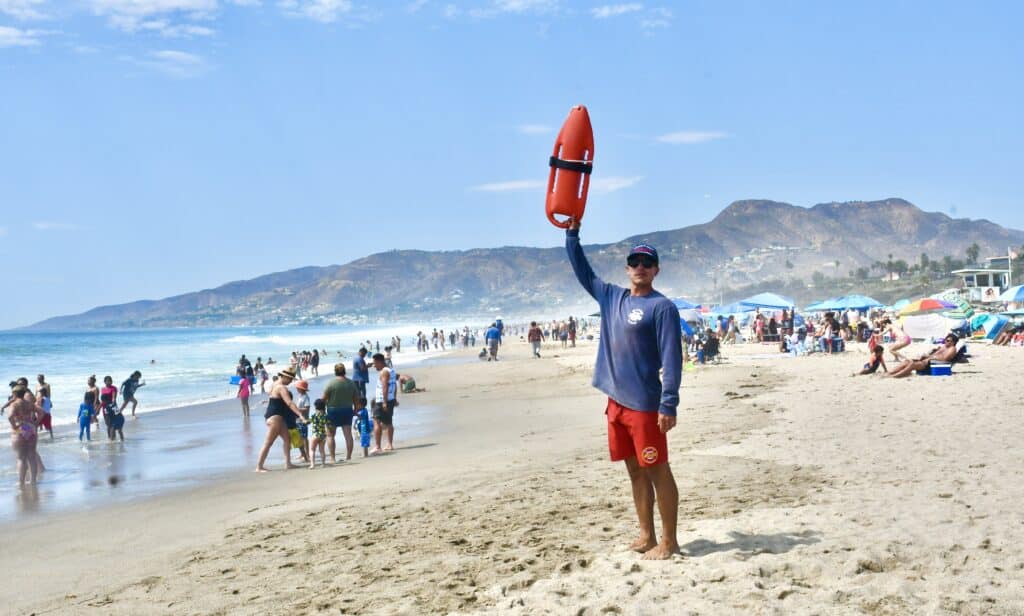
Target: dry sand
802,491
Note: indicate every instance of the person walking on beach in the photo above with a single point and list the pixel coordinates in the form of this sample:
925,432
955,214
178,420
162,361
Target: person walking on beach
86,410
534,337
385,401
90,387
493,338
281,415
24,417
43,399
244,390
314,363
130,386
340,395
639,338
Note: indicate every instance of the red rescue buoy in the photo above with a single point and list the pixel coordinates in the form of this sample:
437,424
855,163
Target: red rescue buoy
571,164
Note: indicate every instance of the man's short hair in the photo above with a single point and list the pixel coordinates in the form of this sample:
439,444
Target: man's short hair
362,350
378,357
339,369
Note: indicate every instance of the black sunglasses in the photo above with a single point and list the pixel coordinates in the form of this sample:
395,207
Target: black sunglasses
644,260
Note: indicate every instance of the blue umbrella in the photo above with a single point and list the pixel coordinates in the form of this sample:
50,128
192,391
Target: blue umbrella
1013,294
856,302
900,305
768,300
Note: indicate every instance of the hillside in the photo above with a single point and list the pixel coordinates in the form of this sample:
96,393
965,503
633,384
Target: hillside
748,243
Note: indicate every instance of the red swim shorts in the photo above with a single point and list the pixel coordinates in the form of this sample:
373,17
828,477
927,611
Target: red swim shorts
635,434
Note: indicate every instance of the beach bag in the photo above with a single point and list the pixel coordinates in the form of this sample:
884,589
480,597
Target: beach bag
296,437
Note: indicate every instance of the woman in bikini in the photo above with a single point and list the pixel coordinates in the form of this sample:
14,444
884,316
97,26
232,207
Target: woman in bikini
900,340
24,418
281,415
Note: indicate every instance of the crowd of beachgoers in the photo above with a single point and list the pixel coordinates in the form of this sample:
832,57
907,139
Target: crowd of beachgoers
308,426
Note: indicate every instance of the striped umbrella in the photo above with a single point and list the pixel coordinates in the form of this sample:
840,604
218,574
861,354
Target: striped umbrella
1013,294
926,305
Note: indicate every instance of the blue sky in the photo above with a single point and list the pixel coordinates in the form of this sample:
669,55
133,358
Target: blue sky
155,147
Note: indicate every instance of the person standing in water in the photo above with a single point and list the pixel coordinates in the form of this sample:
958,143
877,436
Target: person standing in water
24,417
244,390
639,340
44,402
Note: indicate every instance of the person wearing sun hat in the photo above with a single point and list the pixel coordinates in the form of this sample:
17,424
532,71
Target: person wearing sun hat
281,415
639,366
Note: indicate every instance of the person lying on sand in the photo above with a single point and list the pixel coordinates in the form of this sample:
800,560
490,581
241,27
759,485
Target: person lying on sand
944,353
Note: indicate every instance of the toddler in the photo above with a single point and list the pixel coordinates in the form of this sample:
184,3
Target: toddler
318,432
365,427
85,413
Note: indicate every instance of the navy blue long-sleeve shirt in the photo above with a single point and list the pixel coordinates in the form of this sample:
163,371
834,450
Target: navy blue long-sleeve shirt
639,337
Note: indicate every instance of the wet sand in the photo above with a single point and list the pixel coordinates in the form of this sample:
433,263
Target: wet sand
803,491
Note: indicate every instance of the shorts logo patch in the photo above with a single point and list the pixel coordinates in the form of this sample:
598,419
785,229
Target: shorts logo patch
635,316
649,455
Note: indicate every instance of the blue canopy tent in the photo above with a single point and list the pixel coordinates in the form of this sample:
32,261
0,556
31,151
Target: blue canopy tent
818,306
733,308
855,302
682,304
768,300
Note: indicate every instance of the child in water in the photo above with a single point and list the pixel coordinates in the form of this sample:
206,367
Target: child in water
365,427
85,413
318,432
111,416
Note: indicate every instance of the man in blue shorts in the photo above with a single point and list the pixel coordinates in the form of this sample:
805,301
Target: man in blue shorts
640,338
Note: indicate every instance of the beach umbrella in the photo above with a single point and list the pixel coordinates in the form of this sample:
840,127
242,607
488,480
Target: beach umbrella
1014,313
1013,294
817,306
978,319
926,305
900,304
768,300
856,302
683,325
682,304
690,314
963,309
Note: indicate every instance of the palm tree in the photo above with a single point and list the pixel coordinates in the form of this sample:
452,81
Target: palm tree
972,253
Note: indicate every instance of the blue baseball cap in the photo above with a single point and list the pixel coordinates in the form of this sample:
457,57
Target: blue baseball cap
643,249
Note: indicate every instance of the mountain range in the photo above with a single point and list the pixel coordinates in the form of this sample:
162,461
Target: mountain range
750,241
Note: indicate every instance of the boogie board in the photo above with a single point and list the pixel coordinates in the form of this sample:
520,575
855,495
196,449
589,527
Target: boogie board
571,163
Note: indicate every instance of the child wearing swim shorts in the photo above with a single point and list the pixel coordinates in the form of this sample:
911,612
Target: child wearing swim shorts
365,427
318,432
85,413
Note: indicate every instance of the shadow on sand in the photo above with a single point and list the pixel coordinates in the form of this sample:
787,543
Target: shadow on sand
778,543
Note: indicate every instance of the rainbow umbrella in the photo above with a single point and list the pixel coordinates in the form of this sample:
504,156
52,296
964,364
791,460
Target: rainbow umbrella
926,305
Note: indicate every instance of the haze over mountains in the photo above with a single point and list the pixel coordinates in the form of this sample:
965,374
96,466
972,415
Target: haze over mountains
748,242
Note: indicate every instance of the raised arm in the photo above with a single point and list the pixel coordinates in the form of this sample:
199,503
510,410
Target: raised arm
580,266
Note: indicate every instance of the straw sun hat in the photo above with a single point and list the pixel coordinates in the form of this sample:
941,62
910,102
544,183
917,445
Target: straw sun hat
288,373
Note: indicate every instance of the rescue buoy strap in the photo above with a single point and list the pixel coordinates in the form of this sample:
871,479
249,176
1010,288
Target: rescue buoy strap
572,165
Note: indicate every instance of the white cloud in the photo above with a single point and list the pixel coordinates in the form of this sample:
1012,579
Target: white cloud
691,136
415,6
53,226
614,10
517,7
324,11
179,64
613,183
450,11
14,37
535,129
22,9
657,18
131,15
85,49
511,186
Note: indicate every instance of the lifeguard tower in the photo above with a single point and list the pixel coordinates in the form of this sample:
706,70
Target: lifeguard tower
984,284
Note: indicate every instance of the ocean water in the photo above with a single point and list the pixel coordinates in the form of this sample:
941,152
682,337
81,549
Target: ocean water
179,366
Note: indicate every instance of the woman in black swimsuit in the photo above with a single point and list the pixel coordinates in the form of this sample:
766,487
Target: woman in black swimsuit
281,415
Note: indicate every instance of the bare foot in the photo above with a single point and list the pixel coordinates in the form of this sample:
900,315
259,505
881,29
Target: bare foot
312,466
661,552
389,448
260,469
290,465
374,451
643,544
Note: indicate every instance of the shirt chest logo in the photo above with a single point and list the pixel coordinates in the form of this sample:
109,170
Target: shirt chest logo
635,316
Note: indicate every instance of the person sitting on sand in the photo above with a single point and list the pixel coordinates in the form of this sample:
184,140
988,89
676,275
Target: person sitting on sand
921,365
877,360
408,384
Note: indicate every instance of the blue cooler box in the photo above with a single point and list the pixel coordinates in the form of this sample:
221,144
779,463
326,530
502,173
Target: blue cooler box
940,369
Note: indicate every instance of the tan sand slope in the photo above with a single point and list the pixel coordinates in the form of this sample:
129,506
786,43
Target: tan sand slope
803,491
